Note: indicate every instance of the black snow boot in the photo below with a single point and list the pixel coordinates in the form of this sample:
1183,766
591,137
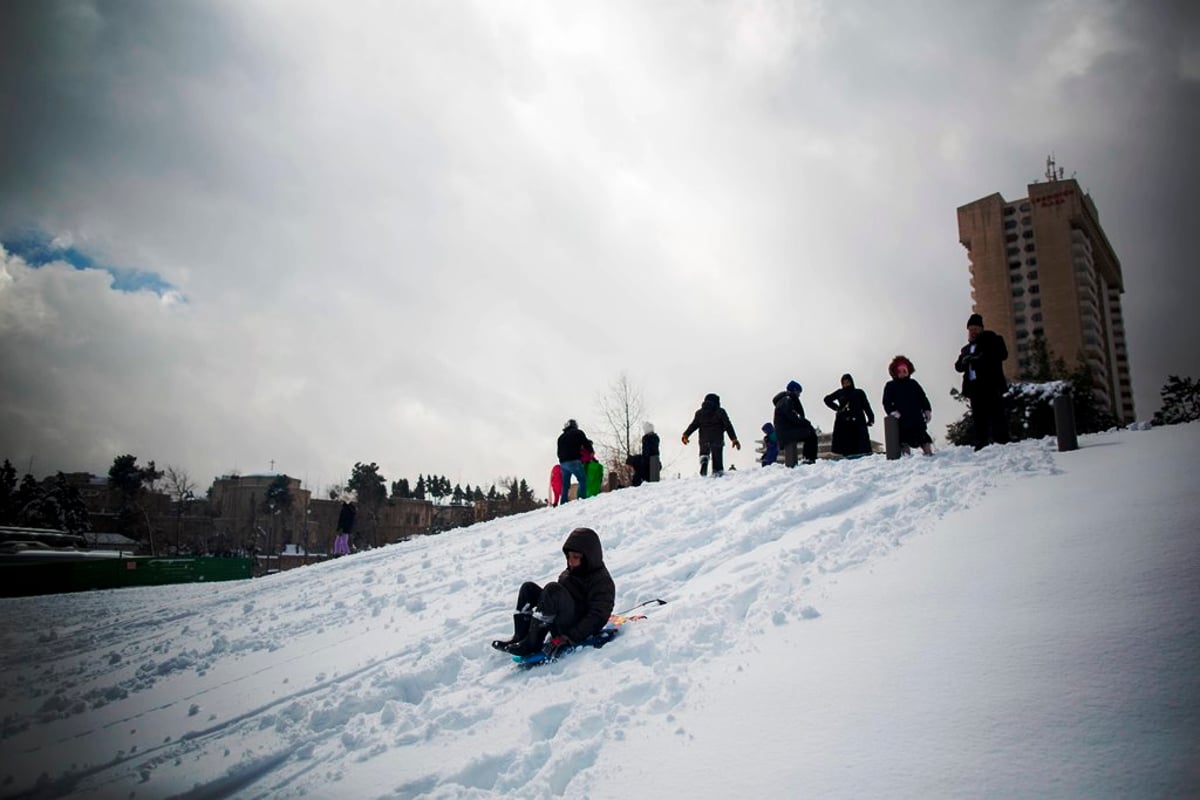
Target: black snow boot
533,640
520,631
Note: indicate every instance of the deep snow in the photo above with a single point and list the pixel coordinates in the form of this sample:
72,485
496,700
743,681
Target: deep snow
1010,623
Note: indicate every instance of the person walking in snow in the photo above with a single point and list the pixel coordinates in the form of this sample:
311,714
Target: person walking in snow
570,455
650,452
852,415
567,610
792,428
345,527
713,423
593,469
981,361
770,445
904,399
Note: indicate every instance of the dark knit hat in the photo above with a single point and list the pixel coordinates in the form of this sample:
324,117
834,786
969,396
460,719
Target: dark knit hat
794,386
975,319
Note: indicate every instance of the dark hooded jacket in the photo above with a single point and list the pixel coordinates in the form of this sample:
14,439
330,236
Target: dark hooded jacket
712,422
791,425
589,584
570,443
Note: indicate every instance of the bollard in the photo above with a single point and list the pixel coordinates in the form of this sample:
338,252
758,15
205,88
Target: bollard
891,437
1064,423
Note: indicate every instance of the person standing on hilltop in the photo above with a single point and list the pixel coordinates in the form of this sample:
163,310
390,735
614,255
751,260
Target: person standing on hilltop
981,362
713,423
570,458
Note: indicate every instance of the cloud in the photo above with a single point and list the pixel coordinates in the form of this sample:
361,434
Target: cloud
424,236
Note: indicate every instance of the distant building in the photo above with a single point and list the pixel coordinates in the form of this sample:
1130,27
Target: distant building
1041,266
238,503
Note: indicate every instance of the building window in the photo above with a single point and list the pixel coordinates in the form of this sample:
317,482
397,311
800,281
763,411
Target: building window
1024,206
1035,302
1032,275
1014,264
1038,332
1018,291
1027,235
1027,220
1019,319
1009,211
1031,247
1031,261
1036,316
1022,334
1010,224
1011,237
1012,251
1015,277
1018,306
1034,289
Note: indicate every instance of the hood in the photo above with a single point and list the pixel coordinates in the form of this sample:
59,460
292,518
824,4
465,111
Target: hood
711,401
768,427
647,427
850,378
586,541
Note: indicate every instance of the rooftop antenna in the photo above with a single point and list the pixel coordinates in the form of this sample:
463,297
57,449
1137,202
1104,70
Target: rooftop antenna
1051,168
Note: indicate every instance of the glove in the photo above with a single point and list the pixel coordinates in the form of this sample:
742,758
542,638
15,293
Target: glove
928,415
557,646
736,445
685,438
895,414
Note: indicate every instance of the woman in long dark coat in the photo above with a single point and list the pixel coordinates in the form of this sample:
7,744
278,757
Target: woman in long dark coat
904,399
853,415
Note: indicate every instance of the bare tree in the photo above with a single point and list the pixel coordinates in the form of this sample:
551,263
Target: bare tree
622,410
180,488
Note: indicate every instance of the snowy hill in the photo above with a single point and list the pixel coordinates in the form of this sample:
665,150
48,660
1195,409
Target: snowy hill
1010,623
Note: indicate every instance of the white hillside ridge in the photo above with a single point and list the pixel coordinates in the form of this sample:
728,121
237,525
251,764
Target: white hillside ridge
372,676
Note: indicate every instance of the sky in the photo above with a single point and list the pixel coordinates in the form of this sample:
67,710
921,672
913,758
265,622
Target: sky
249,237
1016,623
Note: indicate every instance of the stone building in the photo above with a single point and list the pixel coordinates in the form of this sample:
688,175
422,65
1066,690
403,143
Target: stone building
1041,266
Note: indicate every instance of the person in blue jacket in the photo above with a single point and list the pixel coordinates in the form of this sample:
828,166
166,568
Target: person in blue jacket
770,445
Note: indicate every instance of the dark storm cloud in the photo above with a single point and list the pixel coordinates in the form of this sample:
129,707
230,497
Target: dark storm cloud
89,90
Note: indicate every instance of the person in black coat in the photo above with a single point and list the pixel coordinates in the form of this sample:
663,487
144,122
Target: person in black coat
904,399
713,423
570,458
852,416
650,452
792,428
981,361
570,609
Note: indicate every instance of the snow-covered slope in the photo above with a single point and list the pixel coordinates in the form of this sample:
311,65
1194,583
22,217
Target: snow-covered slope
1014,622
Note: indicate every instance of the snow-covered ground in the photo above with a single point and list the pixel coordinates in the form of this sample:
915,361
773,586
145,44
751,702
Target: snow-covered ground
1010,623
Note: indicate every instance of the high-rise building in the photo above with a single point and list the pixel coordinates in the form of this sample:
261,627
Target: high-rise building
1041,266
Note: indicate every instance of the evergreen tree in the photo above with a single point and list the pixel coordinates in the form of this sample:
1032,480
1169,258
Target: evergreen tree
1180,401
457,497
130,483
8,494
420,491
368,487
